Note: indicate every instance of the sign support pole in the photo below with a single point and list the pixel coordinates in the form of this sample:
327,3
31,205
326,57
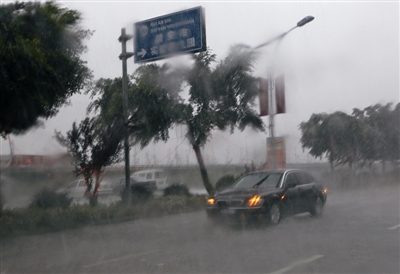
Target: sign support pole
124,56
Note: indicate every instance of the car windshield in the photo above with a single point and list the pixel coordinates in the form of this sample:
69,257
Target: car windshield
258,180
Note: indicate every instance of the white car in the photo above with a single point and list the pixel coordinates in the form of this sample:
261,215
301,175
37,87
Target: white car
77,189
118,184
157,175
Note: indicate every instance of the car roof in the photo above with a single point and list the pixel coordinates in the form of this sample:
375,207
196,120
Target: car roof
276,171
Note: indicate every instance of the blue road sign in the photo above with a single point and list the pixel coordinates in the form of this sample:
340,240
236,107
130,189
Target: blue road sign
171,34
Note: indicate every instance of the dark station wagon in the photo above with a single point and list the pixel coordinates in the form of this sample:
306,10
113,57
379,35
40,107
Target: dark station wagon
268,196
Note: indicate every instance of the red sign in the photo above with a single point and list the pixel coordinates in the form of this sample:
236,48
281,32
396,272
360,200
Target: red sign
279,95
263,96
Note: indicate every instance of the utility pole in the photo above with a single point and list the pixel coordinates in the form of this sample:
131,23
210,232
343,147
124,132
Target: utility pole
271,113
124,56
271,83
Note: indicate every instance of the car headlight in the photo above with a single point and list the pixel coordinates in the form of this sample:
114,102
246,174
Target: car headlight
211,201
255,201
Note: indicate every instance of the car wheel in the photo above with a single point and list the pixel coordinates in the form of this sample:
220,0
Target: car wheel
318,207
275,214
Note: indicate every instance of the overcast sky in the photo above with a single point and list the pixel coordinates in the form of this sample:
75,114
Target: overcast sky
348,57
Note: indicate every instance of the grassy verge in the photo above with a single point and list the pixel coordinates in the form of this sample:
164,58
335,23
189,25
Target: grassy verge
24,221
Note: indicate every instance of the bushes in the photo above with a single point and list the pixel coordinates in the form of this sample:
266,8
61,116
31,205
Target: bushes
228,180
139,194
50,211
177,190
224,182
37,220
50,199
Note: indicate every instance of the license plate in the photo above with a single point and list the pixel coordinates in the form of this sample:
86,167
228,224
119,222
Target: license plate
228,211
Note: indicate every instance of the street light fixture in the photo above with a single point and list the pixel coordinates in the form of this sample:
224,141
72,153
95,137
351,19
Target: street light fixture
271,80
305,20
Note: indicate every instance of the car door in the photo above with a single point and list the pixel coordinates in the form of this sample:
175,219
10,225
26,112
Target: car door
292,194
305,192
77,189
160,178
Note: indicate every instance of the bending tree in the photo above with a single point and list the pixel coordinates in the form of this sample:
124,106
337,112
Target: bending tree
222,99
93,146
152,100
40,68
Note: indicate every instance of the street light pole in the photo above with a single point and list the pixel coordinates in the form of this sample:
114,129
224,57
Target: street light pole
271,112
271,83
124,56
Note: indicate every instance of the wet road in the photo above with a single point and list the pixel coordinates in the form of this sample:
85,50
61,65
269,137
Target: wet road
358,233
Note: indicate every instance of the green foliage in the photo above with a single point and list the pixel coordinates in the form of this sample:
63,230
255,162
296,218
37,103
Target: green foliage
248,169
222,99
50,199
366,136
228,180
93,200
38,220
139,194
93,145
1,201
176,190
40,45
152,100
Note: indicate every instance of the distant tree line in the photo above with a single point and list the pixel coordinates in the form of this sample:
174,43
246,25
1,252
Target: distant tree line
360,139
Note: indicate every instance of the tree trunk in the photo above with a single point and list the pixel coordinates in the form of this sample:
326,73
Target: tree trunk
203,170
331,162
88,183
96,186
97,175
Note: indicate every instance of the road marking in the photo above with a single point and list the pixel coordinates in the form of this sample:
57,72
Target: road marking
394,227
122,258
293,265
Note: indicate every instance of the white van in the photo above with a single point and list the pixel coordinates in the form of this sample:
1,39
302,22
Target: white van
157,175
